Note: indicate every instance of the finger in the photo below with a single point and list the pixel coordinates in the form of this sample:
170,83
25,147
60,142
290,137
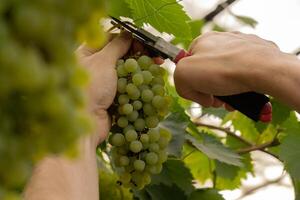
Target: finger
203,99
84,50
117,48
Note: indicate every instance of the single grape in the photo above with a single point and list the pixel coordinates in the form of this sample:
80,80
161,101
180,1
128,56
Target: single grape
162,156
131,65
124,160
129,127
153,135
137,79
132,91
154,69
121,71
147,178
137,105
165,134
149,109
163,142
133,116
158,89
123,99
120,62
147,95
151,121
144,138
151,158
123,150
147,77
139,124
122,84
122,122
125,177
135,146
143,87
131,135
158,102
144,62
154,169
127,109
139,165
154,147
117,139
158,80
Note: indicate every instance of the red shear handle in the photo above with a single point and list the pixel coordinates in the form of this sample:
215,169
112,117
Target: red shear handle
181,55
255,106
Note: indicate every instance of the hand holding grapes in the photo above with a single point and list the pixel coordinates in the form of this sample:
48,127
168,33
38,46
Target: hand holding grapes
103,80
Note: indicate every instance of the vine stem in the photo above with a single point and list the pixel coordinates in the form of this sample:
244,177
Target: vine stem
222,6
251,147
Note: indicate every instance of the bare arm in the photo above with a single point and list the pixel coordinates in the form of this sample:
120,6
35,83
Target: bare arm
60,178
231,63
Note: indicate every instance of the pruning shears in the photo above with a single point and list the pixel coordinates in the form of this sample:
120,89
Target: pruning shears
254,105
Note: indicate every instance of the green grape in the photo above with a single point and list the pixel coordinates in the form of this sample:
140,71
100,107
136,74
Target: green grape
135,146
123,99
132,91
144,138
137,79
127,109
163,142
158,80
122,122
123,150
129,127
154,147
117,139
151,158
131,65
133,116
143,87
125,177
147,95
147,178
121,71
158,102
124,161
149,109
154,169
139,165
137,105
154,135
139,124
144,62
122,84
131,135
162,156
120,62
154,69
151,121
158,89
138,179
165,134
147,77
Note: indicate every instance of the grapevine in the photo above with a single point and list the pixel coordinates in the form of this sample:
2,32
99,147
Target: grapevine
138,145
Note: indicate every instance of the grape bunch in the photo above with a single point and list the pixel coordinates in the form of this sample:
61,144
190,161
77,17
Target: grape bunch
138,145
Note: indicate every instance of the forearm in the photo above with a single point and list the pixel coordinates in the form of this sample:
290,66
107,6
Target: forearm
281,79
63,179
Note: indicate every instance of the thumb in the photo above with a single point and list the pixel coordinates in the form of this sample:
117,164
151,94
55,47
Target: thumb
117,48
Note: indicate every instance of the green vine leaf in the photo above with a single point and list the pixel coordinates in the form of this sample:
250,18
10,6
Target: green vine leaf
118,8
164,15
164,192
214,149
206,194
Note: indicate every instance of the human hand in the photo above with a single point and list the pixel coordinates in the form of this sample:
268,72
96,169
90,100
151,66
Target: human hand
103,80
224,64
